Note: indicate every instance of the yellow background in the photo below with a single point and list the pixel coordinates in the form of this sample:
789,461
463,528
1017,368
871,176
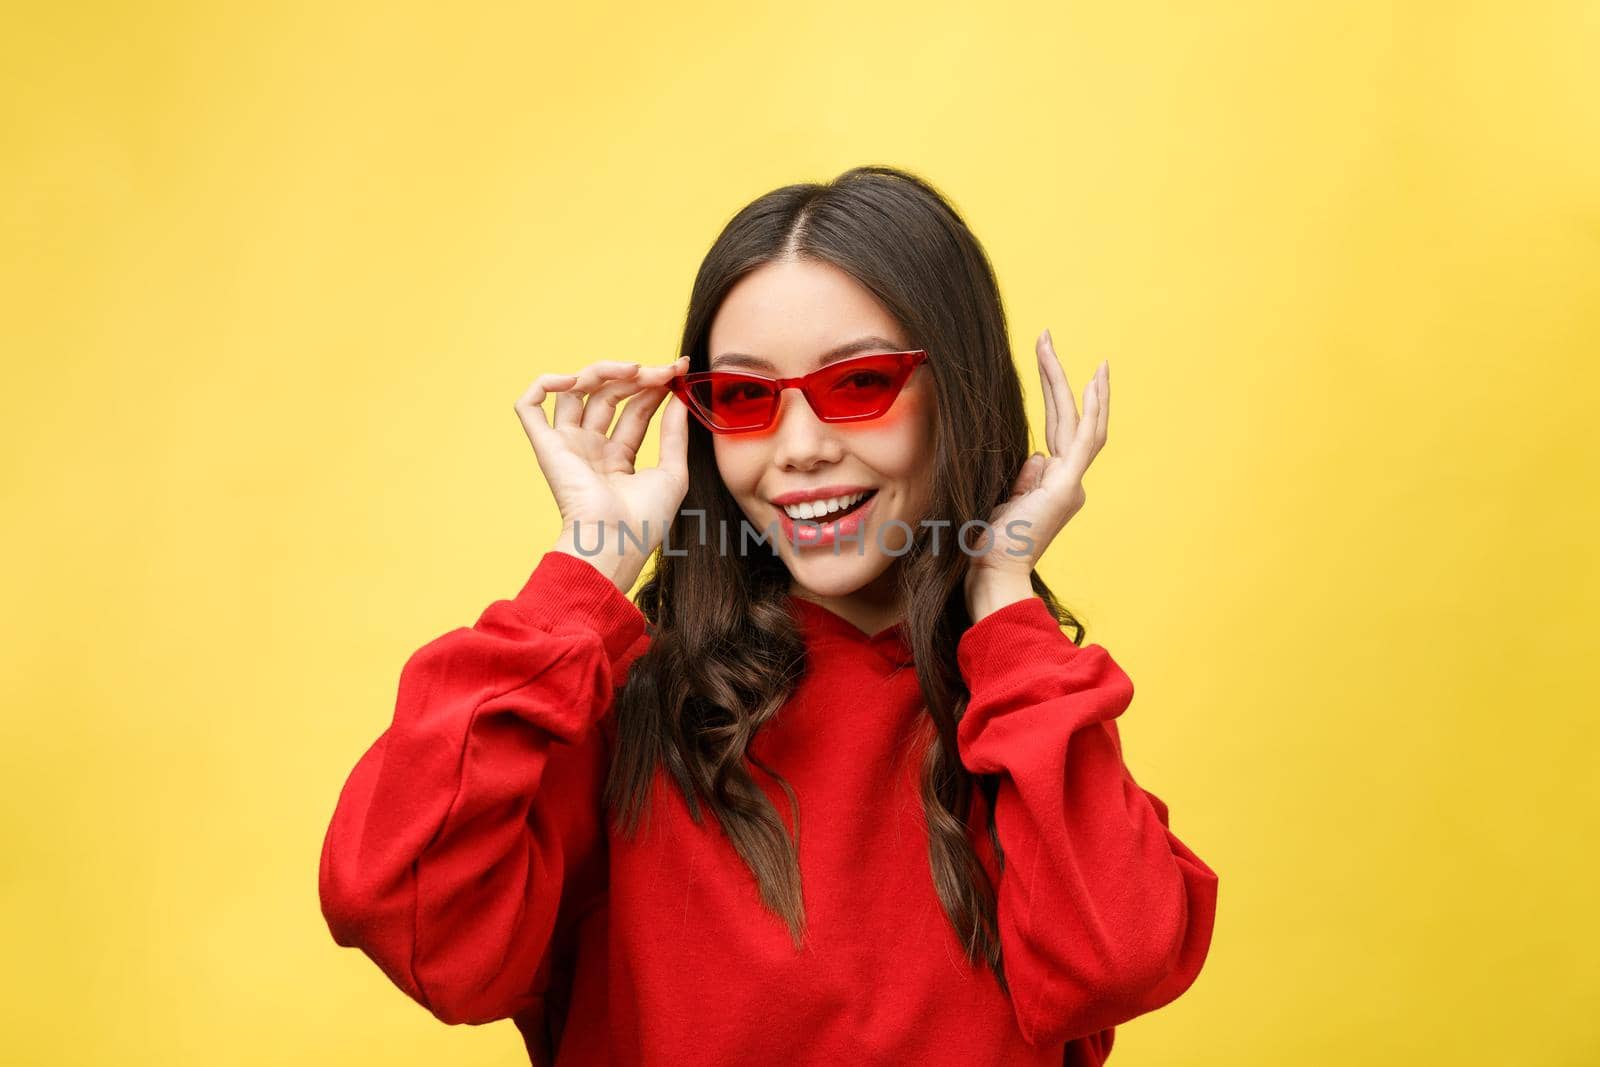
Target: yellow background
272,280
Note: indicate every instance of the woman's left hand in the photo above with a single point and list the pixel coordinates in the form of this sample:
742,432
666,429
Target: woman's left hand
1048,491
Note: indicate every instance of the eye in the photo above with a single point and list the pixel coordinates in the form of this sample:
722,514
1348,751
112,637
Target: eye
736,392
864,379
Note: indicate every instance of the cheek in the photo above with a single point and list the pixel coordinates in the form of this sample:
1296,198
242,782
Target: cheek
901,442
739,464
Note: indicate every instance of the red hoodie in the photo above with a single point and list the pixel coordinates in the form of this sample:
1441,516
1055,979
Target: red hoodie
470,857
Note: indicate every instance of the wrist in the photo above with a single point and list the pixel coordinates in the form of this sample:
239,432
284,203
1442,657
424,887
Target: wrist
623,569
991,593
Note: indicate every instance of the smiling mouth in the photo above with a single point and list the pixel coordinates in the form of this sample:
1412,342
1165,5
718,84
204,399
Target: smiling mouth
834,516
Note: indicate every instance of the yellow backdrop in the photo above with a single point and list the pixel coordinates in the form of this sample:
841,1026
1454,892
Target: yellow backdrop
273,280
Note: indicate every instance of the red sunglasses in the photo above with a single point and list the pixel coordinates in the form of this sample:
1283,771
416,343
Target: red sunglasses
851,390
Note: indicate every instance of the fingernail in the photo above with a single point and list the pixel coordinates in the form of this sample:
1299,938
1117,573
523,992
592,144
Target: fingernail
1048,340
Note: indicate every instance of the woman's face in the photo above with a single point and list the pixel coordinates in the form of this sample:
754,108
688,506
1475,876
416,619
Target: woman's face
782,320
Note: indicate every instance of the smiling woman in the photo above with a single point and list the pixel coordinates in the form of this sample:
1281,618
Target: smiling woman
790,309
979,878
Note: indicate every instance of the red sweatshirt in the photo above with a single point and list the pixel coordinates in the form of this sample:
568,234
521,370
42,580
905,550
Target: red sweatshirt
470,857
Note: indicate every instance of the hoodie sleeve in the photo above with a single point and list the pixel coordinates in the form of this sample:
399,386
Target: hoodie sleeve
1103,913
475,819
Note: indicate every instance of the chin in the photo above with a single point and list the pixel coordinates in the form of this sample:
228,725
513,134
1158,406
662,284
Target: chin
823,574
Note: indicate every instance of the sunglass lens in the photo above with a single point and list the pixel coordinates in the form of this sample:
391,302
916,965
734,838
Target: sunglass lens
734,402
865,387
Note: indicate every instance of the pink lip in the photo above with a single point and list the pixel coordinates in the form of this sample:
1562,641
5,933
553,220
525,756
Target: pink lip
813,534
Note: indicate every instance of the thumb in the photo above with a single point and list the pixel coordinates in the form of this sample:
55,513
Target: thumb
1028,477
674,458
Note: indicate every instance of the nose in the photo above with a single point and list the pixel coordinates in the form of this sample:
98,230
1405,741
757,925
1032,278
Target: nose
800,439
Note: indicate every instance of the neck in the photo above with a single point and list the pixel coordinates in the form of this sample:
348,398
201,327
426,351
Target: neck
872,608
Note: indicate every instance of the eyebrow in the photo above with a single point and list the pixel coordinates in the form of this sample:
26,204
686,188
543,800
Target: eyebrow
833,355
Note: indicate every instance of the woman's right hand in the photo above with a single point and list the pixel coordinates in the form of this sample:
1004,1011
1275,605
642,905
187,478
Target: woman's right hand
589,466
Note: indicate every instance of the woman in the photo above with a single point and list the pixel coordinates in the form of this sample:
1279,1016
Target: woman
925,846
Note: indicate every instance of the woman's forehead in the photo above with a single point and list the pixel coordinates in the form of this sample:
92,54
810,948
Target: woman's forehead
749,361
794,315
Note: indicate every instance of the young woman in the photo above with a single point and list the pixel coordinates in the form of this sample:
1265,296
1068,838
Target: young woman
924,844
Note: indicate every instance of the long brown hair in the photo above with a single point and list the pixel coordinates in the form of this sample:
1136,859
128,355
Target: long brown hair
725,652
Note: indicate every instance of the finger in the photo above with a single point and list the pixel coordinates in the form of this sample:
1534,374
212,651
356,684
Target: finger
542,385
592,376
532,401
674,457
635,420
1097,389
1041,461
1066,407
660,374
1083,442
636,416
570,404
1105,404
601,406
1028,477
1047,381
569,408
679,364
530,410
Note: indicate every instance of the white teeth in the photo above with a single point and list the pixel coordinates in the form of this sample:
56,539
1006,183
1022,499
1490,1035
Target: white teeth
813,509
